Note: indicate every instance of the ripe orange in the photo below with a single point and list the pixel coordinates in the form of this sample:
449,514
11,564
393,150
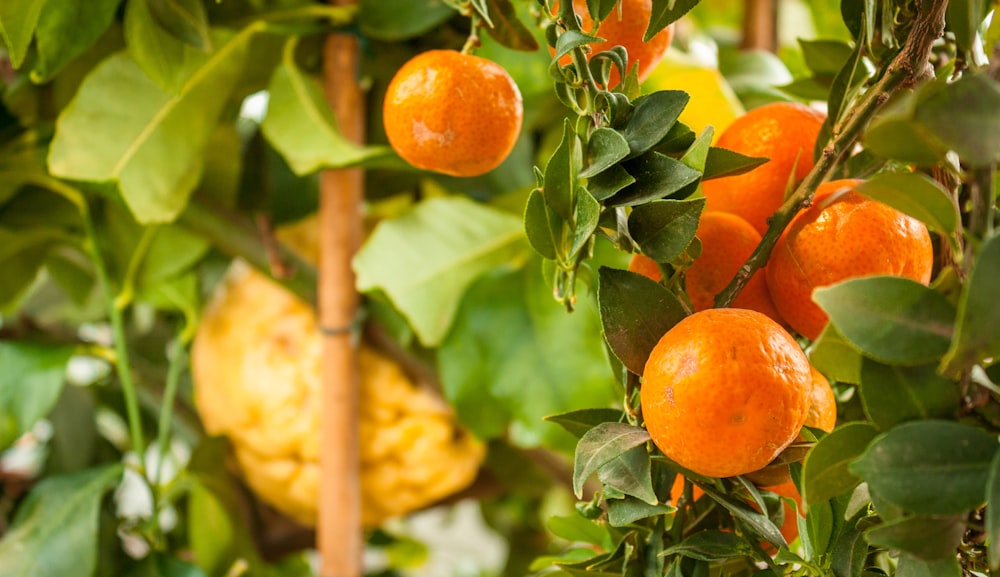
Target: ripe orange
677,489
822,413
842,235
726,242
452,113
725,391
785,133
626,29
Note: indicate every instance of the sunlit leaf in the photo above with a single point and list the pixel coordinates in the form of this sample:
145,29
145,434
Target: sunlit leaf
917,195
66,29
600,445
18,19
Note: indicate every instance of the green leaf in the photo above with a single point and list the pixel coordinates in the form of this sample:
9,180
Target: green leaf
154,147
665,13
507,28
724,162
514,357
892,319
159,564
18,19
927,538
653,117
572,39
965,115
754,520
835,357
929,467
712,546
577,529
539,226
656,176
892,395
606,184
579,422
629,473
825,56
183,19
847,558
30,384
993,513
663,229
910,566
301,127
166,60
601,445
635,312
826,472
605,148
66,29
622,512
917,195
22,253
561,182
55,531
395,20
587,216
697,154
964,17
977,332
426,258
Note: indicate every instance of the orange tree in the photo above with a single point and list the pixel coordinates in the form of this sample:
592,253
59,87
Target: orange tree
146,144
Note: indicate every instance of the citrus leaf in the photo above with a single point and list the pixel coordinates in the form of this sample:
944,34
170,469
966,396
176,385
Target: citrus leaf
586,217
166,59
964,17
30,384
917,195
826,473
892,395
892,319
836,358
622,512
66,29
653,117
927,538
665,13
929,467
724,162
697,154
579,422
965,116
426,258
635,312
663,229
656,176
605,148
606,184
755,520
561,182
977,332
601,445
572,39
183,19
910,566
18,19
629,474
577,529
507,28
993,513
395,20
55,530
539,225
712,546
825,56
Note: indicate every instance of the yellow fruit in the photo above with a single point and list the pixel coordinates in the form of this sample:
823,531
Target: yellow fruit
256,369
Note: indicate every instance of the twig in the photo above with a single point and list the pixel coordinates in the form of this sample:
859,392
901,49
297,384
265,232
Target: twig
906,69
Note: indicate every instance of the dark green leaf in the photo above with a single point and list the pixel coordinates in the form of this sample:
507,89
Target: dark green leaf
712,546
587,215
55,531
847,558
892,395
917,195
183,19
539,225
629,474
892,319
851,74
605,149
677,140
825,56
30,383
657,176
395,20
606,184
601,445
929,467
836,358
652,119
159,564
507,28
18,19
579,422
572,39
910,566
663,229
66,29
965,115
636,312
826,473
964,18
753,519
561,174
22,253
993,513
724,162
665,13
622,512
927,538
977,333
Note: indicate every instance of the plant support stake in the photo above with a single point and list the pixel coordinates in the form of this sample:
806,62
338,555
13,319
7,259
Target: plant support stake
339,533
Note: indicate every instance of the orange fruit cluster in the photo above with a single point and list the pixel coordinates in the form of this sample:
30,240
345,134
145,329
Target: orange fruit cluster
452,113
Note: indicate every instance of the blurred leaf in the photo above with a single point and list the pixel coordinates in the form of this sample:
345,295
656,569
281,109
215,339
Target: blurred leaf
891,319
993,513
605,148
622,512
154,147
892,395
395,20
964,18
54,532
601,445
977,332
712,546
301,126
426,258
635,312
165,59
929,467
30,384
656,176
965,115
507,28
927,538
826,472
910,566
183,19
653,117
724,162
66,29
663,229
825,56
665,13
22,253
159,564
561,183
575,528
629,473
579,422
74,441
514,357
18,19
835,357
211,531
917,195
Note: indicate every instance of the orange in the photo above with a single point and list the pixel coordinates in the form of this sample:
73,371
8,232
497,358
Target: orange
784,132
677,489
843,235
725,391
822,413
626,28
727,241
452,113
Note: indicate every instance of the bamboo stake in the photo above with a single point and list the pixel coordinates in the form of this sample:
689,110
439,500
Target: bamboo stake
339,532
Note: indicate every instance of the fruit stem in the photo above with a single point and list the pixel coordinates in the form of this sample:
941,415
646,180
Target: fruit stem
906,69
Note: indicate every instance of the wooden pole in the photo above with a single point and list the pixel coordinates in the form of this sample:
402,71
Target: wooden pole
760,25
339,534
